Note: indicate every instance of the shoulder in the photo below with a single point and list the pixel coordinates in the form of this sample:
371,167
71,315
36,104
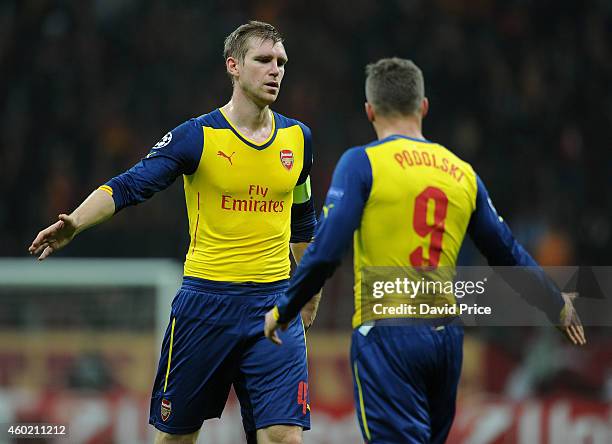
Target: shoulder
287,122
186,132
355,158
213,119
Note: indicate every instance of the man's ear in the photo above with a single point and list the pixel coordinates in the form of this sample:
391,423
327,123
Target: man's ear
370,112
232,66
424,107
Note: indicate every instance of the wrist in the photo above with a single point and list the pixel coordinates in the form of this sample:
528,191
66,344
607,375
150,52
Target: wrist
76,222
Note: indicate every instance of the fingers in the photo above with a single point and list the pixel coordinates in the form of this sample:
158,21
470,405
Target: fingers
44,235
47,251
275,338
67,220
582,335
575,333
569,332
579,334
40,249
38,240
571,325
578,329
272,335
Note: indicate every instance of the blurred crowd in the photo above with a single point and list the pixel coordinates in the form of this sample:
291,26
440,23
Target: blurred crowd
518,88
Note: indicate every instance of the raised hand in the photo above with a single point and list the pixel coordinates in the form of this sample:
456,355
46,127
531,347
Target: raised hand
54,237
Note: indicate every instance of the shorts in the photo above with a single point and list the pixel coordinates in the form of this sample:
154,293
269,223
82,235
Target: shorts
215,340
405,381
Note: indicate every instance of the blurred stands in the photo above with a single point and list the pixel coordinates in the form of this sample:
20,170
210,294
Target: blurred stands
519,89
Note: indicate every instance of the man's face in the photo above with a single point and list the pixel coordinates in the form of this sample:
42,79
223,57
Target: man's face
261,72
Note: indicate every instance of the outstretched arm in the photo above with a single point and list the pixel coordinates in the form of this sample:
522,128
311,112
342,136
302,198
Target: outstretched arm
495,241
177,153
97,208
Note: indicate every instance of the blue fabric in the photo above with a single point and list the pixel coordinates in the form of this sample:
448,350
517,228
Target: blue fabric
495,241
303,215
308,156
164,163
346,198
303,222
218,342
233,288
408,378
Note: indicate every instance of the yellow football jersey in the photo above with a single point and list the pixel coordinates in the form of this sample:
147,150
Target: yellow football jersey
239,194
416,215
407,204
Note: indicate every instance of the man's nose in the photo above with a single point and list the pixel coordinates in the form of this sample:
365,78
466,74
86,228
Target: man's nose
275,69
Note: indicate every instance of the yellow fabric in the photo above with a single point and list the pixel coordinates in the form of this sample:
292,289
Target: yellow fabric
301,193
361,404
405,171
169,354
239,207
106,188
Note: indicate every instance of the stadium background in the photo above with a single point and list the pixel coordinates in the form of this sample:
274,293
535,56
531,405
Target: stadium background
520,89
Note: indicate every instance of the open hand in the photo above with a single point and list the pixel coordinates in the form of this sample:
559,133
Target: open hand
570,324
54,237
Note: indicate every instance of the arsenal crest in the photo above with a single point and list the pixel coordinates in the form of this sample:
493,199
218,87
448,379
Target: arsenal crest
166,409
286,158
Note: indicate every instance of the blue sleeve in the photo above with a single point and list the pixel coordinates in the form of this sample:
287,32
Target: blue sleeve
303,216
303,222
178,152
307,165
495,241
341,216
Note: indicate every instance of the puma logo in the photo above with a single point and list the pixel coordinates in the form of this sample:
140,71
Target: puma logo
222,154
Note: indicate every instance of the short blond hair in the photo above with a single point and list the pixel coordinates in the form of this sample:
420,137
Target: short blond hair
237,43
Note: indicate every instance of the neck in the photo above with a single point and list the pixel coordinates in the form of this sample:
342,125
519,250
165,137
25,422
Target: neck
243,112
409,126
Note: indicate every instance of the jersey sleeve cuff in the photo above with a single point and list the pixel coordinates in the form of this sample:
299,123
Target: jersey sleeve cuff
107,189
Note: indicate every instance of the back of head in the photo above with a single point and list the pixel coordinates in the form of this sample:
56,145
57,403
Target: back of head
394,86
237,43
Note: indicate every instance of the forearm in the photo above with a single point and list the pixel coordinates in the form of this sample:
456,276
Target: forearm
98,207
495,240
297,250
311,307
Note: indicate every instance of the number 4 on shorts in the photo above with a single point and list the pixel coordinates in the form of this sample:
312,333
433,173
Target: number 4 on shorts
302,396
